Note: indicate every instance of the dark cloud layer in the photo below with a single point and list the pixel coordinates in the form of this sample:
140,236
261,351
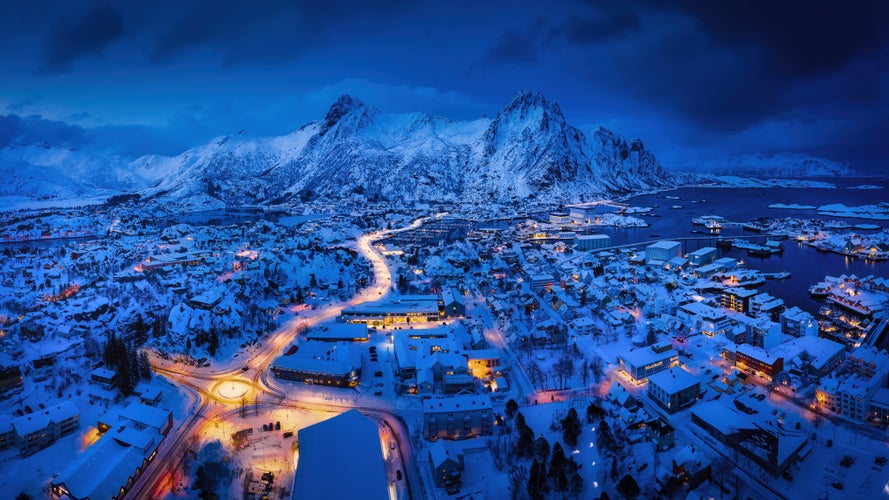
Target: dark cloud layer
88,33
690,73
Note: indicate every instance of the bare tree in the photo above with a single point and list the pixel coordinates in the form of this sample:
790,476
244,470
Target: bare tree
516,480
563,370
721,470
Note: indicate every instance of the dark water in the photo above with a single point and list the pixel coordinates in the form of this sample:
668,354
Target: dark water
806,265
223,217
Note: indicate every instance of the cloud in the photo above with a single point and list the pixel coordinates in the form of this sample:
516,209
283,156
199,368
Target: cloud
796,40
23,104
602,21
15,129
513,47
266,31
89,33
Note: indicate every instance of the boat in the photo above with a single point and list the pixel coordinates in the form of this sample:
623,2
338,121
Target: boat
703,219
783,275
712,225
819,290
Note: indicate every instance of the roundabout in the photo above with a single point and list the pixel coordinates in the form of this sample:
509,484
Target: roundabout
232,389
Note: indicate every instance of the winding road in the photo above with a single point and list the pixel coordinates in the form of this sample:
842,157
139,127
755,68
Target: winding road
206,383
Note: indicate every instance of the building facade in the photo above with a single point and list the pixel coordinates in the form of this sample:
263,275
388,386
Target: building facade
457,417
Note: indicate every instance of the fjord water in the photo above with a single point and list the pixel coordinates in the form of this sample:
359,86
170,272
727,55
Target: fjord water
806,265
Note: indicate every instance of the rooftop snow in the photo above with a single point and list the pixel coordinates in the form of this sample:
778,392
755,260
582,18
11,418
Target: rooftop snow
341,458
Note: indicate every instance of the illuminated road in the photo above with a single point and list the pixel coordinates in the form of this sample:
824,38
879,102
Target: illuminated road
229,385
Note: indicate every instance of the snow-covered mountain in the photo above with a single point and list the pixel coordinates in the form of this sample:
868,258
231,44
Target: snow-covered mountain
527,150
46,171
779,165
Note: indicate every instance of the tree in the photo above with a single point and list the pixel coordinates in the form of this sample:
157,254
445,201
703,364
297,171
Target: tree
144,365
564,369
721,470
535,374
651,336
627,487
604,437
536,481
525,443
541,448
511,408
557,463
516,478
585,371
571,428
596,369
575,480
593,412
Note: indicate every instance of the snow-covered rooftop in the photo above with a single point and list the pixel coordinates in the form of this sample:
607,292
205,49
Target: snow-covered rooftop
673,380
341,458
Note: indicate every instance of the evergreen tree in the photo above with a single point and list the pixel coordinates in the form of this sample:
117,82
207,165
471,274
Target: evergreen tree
144,365
571,428
541,448
594,411
557,462
535,481
511,408
628,488
525,443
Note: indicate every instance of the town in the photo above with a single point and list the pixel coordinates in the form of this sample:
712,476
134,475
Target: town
434,355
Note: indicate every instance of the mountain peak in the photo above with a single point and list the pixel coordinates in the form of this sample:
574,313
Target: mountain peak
525,100
343,106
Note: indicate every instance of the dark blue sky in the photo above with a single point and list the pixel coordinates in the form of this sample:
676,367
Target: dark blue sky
693,79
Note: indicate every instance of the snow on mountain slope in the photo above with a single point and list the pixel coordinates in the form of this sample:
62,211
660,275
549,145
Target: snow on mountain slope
528,149
779,165
43,171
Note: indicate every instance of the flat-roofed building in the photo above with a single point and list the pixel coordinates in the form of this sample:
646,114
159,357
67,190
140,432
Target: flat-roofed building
738,299
702,256
798,323
661,252
320,363
406,309
749,357
104,378
758,436
587,242
712,320
541,281
141,416
350,445
39,429
673,389
339,332
457,417
641,363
